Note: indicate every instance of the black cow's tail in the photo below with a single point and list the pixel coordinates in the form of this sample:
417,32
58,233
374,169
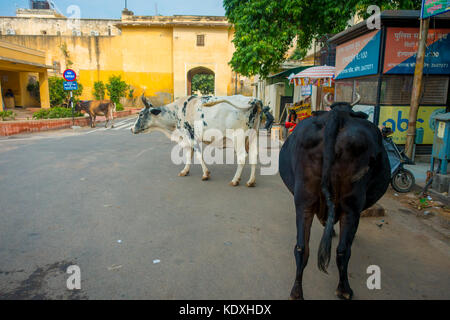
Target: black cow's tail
329,140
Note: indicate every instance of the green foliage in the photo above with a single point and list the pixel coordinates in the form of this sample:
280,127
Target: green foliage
33,89
265,29
58,96
299,53
203,83
117,88
54,113
119,107
65,52
99,90
7,115
130,92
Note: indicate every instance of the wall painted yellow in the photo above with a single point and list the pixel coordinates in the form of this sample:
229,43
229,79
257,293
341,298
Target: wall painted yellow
16,64
152,54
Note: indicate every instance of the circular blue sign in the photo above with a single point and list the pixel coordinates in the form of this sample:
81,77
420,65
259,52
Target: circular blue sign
69,75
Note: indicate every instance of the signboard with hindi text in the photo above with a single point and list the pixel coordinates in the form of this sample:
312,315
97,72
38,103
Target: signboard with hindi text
401,49
358,57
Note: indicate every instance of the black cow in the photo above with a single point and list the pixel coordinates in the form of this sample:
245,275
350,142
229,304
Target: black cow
335,165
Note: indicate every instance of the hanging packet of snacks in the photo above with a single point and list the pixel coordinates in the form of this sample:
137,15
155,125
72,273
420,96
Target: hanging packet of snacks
303,110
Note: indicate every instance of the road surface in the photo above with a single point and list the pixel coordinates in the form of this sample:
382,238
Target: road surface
111,203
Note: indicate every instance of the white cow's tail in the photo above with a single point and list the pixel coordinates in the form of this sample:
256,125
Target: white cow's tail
213,103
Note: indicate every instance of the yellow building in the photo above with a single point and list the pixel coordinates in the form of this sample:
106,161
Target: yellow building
17,64
156,55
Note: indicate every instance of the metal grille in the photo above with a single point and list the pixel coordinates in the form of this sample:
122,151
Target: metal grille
200,40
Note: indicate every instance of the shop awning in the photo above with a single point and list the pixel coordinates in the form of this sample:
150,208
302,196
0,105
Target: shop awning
314,75
316,72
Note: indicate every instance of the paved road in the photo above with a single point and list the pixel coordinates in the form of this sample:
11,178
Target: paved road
68,197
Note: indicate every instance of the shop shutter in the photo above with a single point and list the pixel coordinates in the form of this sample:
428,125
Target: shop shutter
435,90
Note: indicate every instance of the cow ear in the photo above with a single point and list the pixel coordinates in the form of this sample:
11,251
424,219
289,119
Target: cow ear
155,111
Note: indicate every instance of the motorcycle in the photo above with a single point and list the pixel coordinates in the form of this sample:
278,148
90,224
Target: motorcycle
402,179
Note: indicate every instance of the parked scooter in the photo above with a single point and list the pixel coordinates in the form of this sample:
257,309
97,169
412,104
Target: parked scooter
402,180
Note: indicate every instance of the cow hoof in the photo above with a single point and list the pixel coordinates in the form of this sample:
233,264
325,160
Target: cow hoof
251,184
341,294
183,174
296,292
206,176
234,183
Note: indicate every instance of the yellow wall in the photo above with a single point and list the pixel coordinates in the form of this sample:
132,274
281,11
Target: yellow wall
17,64
154,59
147,60
214,55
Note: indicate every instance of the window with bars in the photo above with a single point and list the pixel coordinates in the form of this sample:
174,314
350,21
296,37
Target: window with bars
367,89
397,90
200,40
344,90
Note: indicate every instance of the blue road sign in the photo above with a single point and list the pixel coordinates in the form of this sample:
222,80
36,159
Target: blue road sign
69,75
70,86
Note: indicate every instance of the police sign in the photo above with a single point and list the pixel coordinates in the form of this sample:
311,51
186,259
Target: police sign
69,75
70,86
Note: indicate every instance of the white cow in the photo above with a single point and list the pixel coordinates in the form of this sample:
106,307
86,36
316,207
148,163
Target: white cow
189,121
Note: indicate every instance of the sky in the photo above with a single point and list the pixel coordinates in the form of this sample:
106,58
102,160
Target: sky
112,8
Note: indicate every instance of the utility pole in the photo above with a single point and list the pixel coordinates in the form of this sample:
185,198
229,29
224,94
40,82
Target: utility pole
417,87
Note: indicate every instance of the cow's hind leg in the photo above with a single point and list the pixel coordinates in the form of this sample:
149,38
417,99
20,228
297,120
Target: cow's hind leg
252,156
187,167
91,120
107,119
304,218
239,148
199,154
348,221
111,117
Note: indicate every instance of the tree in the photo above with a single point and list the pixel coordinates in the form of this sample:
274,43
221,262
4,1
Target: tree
99,90
298,54
265,29
203,83
58,96
117,88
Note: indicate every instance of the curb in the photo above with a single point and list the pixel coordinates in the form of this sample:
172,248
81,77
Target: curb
8,128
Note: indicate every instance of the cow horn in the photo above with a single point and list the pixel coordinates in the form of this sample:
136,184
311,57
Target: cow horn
358,98
325,100
144,101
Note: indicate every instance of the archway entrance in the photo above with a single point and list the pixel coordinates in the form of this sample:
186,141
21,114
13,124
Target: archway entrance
200,81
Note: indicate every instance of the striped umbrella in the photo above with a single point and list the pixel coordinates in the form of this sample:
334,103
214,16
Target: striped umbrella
314,75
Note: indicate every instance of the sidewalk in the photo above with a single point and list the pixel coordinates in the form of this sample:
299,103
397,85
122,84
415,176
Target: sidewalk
420,172
24,122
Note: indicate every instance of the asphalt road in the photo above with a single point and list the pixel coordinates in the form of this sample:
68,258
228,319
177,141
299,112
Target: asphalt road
112,203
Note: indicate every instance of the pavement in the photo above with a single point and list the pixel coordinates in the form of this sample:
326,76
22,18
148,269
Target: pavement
419,169
111,203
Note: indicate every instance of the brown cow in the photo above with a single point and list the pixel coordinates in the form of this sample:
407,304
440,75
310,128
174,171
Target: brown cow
98,108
